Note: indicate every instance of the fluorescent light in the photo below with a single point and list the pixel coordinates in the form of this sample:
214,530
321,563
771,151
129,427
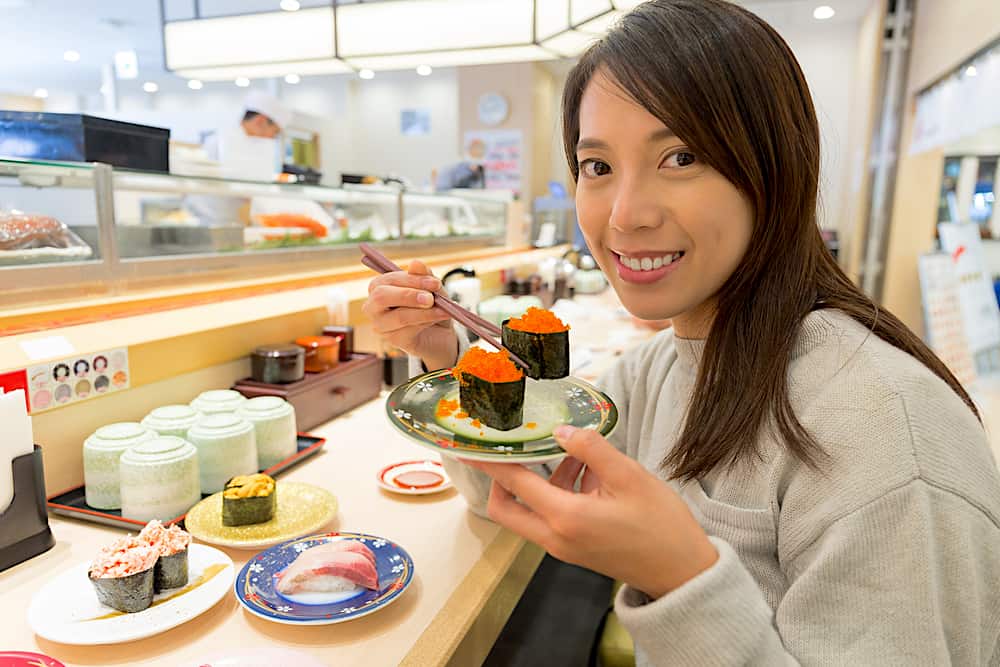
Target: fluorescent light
551,17
272,38
371,28
242,81
71,56
584,10
126,65
424,70
150,87
266,71
571,43
195,84
823,12
290,5
292,78
41,93
366,74
403,61
971,71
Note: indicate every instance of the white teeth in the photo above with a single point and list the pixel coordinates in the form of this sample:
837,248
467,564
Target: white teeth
649,263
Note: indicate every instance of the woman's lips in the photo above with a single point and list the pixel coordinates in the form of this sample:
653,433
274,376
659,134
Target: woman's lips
640,277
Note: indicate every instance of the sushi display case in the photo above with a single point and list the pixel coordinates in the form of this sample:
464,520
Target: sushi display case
73,502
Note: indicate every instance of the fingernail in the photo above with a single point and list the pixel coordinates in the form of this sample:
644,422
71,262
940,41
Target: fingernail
431,284
425,299
564,432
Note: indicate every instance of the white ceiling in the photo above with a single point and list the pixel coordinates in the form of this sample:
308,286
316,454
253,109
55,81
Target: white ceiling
35,33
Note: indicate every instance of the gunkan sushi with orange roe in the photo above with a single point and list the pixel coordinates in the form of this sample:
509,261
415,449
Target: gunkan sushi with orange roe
490,388
542,340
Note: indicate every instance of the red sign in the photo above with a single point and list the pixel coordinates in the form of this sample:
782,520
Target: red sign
15,380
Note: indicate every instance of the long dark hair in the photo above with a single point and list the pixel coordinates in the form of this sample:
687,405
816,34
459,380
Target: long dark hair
729,86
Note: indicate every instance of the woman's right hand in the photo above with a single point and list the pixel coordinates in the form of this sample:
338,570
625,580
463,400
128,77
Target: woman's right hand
401,307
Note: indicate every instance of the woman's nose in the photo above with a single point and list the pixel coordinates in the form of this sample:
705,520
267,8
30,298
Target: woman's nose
636,206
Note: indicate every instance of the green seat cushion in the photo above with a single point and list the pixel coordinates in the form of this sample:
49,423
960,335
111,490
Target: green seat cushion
615,648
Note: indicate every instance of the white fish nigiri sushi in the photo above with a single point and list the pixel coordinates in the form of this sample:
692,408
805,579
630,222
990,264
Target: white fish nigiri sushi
331,567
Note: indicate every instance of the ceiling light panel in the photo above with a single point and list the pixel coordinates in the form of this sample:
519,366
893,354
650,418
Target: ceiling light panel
251,39
396,27
511,54
584,10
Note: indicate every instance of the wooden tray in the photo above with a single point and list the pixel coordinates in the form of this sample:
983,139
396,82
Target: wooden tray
73,503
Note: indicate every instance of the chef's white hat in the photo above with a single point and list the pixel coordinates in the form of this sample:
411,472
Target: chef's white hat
270,106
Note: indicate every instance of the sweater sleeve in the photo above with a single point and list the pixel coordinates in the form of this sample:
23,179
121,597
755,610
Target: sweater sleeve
904,580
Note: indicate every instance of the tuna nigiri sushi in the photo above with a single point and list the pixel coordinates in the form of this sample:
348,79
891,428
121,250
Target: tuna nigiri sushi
328,568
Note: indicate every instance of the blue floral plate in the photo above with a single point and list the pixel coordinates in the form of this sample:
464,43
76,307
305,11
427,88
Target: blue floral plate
255,584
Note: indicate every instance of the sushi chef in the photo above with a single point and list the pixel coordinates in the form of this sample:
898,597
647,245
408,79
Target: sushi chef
247,150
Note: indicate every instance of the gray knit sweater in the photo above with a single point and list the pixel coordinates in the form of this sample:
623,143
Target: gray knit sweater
887,555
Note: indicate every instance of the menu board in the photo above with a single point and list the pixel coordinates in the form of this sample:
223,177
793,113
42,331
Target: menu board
943,322
976,299
77,378
499,151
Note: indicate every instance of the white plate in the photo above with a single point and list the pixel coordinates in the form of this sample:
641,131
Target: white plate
394,478
66,609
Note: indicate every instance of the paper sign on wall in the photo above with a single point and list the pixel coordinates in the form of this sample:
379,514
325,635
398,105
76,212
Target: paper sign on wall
77,378
499,151
976,299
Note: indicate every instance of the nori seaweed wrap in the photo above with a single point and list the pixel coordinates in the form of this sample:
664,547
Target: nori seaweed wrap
248,499
123,575
542,340
491,388
171,544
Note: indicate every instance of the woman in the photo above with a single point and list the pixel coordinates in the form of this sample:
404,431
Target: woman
796,477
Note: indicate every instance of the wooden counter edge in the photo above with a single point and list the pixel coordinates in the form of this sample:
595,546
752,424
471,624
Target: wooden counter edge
464,630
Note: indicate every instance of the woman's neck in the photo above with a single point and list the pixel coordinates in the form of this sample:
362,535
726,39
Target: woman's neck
695,323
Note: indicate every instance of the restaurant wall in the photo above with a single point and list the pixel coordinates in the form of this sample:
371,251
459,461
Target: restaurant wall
944,35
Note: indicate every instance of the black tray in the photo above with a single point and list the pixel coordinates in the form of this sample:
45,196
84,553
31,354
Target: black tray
73,503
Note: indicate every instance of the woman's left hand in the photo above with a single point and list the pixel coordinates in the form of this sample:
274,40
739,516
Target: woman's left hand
625,522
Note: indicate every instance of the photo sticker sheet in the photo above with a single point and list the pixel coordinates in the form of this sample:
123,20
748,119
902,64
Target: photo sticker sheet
77,378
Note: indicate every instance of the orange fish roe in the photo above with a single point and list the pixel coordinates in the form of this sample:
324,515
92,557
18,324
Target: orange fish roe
537,320
476,423
489,366
461,415
531,425
445,407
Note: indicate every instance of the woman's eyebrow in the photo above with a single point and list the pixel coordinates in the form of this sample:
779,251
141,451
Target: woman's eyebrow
663,134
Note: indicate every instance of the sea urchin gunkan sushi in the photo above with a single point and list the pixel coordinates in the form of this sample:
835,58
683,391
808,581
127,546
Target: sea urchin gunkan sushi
491,388
542,340
122,575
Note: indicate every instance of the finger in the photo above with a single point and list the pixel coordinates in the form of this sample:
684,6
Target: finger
418,268
565,475
596,452
385,297
403,279
505,510
544,498
590,481
403,318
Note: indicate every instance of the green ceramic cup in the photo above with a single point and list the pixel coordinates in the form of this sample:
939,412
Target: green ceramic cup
227,447
159,479
174,420
101,454
273,419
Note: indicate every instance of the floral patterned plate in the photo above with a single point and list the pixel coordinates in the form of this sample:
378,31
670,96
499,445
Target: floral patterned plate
413,408
255,584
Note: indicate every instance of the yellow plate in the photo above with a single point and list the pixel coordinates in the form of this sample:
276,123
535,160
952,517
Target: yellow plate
302,509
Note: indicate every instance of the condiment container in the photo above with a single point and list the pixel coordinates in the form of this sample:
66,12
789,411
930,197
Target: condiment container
101,454
172,420
227,447
278,364
159,479
346,335
273,420
322,352
218,400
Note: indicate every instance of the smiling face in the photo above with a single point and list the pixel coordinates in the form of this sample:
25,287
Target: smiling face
667,229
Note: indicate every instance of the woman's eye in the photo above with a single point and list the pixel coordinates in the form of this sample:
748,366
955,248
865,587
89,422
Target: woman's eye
594,168
680,159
